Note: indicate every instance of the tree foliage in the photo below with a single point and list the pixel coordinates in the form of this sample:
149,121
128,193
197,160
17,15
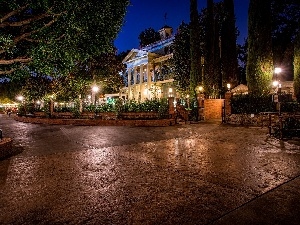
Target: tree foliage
148,36
242,55
50,37
285,24
108,70
260,58
213,19
195,50
297,67
181,60
228,45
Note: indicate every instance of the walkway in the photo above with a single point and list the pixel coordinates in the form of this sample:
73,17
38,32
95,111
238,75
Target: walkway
203,173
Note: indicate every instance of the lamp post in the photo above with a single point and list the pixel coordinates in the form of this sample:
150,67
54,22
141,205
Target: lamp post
20,98
188,101
95,89
277,84
228,86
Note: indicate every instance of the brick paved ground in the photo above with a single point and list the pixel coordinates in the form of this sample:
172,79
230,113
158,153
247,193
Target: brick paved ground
203,173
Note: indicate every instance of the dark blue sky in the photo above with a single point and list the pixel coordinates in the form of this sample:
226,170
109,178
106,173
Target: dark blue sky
142,14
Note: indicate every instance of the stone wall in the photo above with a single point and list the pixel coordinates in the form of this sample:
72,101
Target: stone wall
213,109
259,120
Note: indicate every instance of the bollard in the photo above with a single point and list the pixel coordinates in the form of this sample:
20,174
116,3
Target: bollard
0,135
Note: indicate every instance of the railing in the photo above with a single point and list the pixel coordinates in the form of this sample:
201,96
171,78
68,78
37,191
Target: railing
287,126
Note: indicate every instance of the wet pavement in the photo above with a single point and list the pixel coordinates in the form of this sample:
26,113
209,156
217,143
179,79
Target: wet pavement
204,173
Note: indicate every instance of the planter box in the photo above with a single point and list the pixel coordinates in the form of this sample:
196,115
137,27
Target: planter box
39,114
139,115
107,116
87,115
65,115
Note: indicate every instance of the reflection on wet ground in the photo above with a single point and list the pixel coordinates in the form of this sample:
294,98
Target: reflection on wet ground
186,174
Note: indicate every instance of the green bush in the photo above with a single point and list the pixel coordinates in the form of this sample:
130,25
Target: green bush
264,103
252,104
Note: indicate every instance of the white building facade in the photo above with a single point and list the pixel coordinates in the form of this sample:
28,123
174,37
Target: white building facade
149,74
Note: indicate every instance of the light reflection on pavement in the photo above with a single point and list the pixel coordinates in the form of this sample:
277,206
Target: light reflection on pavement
186,174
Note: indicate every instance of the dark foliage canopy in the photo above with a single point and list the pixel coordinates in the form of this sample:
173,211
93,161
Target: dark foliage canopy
51,36
148,36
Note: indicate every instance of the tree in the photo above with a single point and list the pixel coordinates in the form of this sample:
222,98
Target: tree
228,45
285,24
36,87
242,59
107,69
213,18
297,67
209,48
50,37
148,36
195,50
260,57
181,60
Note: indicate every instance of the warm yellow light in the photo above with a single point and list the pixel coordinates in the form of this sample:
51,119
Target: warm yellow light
228,86
95,88
201,88
20,98
277,70
187,96
145,91
275,83
170,90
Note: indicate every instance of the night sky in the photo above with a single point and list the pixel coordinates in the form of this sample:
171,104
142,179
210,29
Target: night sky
142,14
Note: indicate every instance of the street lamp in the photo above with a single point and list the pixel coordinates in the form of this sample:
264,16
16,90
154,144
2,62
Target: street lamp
277,84
95,89
228,86
199,89
277,72
170,92
20,98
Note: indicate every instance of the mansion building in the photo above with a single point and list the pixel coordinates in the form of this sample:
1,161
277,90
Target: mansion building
148,72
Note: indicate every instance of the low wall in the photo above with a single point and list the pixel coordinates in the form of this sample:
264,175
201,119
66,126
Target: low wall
97,122
213,108
259,120
5,148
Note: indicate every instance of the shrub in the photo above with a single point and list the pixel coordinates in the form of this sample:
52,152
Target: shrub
264,103
252,104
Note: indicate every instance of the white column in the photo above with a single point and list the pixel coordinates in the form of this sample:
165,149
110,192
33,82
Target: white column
134,75
129,82
141,74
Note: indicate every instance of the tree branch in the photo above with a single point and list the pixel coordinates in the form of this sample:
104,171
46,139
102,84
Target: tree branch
6,72
12,61
25,35
12,13
24,22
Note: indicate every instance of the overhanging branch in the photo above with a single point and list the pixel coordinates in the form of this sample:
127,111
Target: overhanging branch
7,72
24,22
12,61
12,13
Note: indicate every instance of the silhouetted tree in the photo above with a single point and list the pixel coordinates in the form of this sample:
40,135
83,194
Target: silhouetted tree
297,67
228,46
148,36
260,57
